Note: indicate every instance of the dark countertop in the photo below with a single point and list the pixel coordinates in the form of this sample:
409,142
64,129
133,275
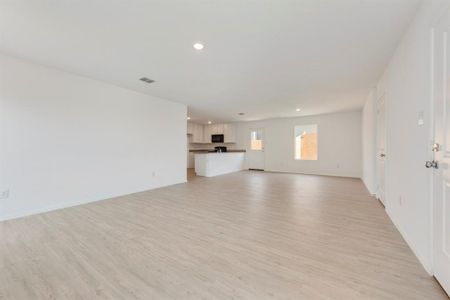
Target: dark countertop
212,150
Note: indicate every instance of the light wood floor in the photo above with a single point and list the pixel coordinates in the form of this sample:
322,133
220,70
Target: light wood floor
248,235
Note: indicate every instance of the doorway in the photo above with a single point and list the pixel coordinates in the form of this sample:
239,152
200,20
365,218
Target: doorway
381,148
255,154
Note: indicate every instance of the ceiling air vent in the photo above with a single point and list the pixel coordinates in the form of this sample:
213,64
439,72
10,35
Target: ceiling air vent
147,80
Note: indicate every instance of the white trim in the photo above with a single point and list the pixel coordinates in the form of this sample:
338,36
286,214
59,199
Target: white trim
378,98
421,259
48,208
315,174
441,12
367,188
431,139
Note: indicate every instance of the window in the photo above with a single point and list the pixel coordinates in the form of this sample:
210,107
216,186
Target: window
306,142
256,142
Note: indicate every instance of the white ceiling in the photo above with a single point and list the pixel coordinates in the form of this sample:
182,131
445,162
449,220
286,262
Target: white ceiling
264,58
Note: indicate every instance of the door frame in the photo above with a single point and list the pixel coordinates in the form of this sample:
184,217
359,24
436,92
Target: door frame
442,12
380,97
262,151
431,138
431,178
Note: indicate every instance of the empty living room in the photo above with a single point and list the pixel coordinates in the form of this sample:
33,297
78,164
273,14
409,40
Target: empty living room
211,149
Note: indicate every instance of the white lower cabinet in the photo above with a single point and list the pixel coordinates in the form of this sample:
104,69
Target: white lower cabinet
213,164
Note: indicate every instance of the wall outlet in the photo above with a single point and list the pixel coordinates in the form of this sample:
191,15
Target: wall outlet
400,200
153,173
4,194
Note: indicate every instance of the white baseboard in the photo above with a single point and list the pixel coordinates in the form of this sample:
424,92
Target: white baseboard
367,186
34,211
312,173
426,264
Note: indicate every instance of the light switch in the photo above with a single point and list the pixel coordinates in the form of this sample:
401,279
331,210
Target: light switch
420,118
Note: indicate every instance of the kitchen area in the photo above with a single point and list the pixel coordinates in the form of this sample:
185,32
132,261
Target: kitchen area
212,150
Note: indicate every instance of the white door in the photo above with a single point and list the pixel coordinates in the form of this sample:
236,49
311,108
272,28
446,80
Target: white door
440,152
255,154
381,149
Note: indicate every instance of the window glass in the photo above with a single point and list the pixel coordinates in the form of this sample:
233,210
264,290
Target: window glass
256,142
306,142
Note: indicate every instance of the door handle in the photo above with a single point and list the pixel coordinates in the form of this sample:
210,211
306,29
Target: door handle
432,164
382,155
436,147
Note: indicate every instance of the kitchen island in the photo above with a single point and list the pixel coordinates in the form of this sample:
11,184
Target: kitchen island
218,163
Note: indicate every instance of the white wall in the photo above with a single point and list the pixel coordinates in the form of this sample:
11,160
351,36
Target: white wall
67,139
339,144
368,142
406,83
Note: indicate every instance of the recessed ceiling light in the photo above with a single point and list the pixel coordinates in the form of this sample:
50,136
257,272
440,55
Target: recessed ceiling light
298,109
188,118
198,46
209,122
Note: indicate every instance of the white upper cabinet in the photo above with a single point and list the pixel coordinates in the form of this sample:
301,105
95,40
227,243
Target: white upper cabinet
197,133
207,133
210,130
190,128
216,128
229,132
202,133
